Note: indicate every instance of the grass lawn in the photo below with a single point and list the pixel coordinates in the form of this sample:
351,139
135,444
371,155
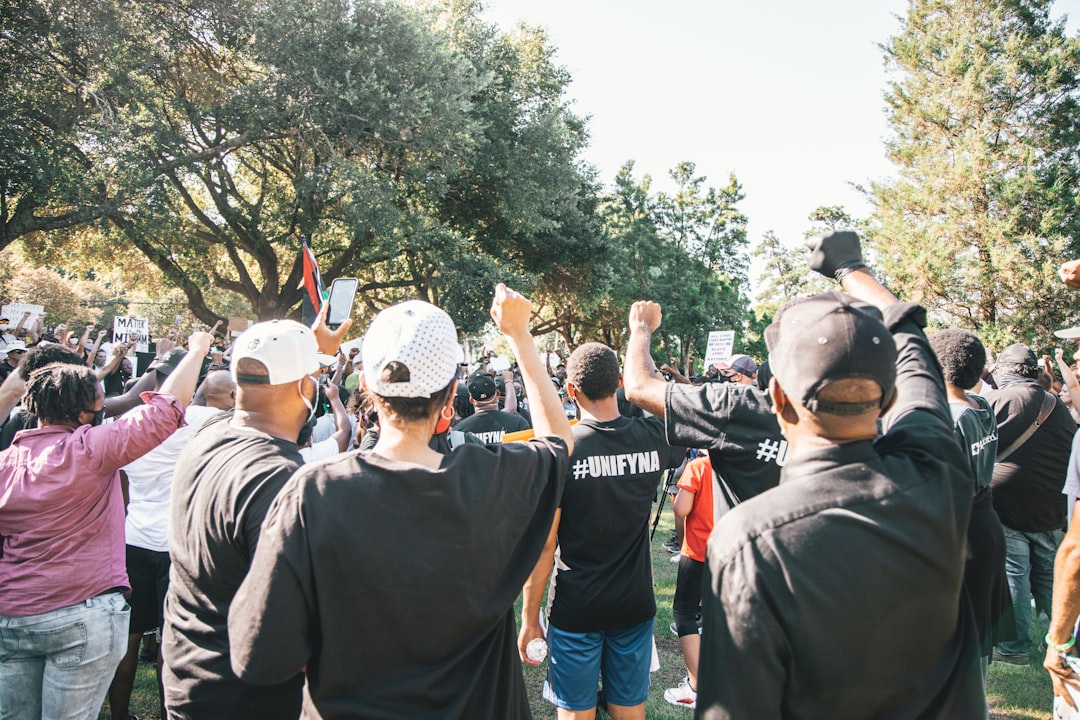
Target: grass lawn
1015,693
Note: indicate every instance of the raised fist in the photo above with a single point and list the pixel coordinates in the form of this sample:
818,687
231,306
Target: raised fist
835,254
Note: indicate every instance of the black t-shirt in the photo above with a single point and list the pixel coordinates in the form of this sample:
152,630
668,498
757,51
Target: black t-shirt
395,584
603,566
19,419
1027,485
490,425
736,424
225,481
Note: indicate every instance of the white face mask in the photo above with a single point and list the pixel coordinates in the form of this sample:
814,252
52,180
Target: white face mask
309,404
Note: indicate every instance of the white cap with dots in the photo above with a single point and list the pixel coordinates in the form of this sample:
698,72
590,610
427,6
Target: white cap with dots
421,337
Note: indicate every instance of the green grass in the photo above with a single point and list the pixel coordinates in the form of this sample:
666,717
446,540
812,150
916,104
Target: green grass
1014,693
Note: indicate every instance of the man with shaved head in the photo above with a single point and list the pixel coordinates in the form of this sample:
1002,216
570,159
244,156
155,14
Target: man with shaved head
838,593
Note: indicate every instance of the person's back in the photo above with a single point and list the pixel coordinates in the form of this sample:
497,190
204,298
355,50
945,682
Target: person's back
391,574
412,585
1033,459
1027,485
602,611
604,569
838,593
489,426
226,479
63,615
859,549
489,423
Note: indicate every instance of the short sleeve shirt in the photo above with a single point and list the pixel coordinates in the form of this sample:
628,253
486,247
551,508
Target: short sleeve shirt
735,423
603,568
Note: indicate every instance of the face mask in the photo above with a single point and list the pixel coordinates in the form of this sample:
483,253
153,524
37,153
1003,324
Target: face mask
308,403
99,417
444,424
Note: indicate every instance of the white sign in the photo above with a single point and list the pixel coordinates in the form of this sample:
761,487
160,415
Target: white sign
12,313
719,349
499,363
132,330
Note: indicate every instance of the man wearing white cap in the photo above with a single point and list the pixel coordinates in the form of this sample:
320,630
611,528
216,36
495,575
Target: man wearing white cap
391,574
225,480
14,353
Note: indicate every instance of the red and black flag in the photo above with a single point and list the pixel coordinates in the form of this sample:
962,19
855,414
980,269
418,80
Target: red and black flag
314,292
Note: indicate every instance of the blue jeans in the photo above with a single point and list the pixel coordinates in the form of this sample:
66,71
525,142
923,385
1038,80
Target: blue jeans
1029,569
58,665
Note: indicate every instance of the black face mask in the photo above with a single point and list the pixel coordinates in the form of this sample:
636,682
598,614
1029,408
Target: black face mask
99,417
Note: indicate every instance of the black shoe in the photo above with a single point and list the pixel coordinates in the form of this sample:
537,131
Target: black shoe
1011,658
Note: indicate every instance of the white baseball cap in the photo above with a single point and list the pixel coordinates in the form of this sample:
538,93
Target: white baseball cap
287,349
421,337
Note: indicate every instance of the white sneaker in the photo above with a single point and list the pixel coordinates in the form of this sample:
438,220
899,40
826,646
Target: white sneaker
683,696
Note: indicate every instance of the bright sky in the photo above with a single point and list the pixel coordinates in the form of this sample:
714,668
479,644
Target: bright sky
788,94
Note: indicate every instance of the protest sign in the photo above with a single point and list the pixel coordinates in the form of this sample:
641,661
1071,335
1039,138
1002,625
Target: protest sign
719,349
237,325
133,331
12,313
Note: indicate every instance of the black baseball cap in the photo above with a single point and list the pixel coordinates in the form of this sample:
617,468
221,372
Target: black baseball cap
1017,354
831,337
168,362
482,386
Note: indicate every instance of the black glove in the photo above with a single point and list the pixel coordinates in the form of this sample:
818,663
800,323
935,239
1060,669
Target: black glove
835,254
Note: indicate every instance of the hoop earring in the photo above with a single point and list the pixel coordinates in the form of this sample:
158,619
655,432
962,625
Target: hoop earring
444,415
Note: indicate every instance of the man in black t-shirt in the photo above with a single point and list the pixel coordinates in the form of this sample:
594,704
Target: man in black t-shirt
391,574
602,611
1027,488
225,481
488,423
734,421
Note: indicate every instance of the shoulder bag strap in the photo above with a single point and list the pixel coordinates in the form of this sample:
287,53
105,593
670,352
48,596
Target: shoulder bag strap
1044,412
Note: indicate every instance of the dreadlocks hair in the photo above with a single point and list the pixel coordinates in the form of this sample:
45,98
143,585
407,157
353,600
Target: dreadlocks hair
46,354
594,370
57,393
962,356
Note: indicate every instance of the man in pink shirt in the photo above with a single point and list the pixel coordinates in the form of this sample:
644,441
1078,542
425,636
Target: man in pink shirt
63,616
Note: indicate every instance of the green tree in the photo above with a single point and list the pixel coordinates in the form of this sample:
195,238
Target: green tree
419,149
678,249
986,131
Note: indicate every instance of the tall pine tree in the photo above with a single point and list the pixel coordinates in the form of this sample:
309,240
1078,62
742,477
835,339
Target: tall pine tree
984,112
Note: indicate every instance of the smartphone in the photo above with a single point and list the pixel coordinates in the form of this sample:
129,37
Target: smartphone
342,295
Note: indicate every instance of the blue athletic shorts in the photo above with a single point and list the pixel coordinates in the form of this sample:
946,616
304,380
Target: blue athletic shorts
576,661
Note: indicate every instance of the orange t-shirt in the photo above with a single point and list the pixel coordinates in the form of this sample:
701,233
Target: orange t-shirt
697,478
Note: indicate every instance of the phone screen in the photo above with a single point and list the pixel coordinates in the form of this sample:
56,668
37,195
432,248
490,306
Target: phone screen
342,294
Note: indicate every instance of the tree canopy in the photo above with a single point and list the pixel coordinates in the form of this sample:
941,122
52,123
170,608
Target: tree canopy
417,148
984,112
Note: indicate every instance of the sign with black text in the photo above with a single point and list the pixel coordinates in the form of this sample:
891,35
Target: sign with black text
133,331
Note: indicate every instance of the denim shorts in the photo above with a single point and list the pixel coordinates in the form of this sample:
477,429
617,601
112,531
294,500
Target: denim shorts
577,660
59,664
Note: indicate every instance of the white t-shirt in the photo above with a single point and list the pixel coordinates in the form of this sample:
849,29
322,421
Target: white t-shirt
320,450
150,484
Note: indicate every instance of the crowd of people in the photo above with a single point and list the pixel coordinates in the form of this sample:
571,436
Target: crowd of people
864,518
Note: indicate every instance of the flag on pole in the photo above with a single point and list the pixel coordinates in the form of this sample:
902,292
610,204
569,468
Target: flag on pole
312,285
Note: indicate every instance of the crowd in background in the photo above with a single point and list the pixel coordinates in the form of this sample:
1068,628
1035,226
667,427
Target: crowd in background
301,523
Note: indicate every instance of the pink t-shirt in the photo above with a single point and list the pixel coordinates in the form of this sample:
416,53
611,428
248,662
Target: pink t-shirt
61,509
